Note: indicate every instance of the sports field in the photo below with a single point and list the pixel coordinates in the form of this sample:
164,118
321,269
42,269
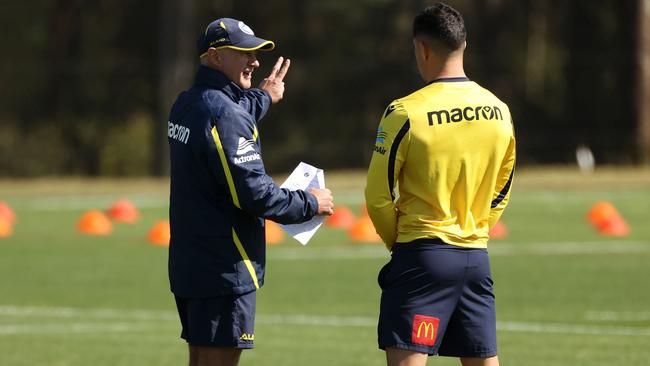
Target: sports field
565,295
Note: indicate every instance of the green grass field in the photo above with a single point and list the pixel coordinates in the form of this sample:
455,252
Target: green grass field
565,295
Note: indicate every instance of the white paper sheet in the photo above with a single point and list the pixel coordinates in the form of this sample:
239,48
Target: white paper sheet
304,177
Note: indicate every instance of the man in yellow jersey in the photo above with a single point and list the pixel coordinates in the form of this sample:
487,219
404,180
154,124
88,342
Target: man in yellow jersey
439,178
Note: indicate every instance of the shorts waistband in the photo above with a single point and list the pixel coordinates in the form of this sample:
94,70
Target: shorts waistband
429,243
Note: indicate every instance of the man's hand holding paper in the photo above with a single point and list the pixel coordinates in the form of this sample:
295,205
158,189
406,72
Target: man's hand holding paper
311,179
325,200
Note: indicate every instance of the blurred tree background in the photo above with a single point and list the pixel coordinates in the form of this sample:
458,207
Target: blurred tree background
85,87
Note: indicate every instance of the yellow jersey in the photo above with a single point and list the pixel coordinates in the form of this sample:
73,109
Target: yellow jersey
442,165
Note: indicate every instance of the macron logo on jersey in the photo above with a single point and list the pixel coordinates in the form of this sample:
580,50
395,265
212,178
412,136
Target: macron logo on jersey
467,114
244,146
177,132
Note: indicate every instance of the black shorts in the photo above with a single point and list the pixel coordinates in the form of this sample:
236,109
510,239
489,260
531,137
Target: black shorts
437,299
223,321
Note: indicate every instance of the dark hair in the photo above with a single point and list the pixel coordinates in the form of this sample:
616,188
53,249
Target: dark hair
442,24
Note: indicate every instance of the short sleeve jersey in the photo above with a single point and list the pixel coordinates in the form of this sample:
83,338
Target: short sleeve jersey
442,165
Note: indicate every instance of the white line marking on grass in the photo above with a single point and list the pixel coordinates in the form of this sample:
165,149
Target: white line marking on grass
96,313
618,316
318,320
150,316
571,247
571,329
72,328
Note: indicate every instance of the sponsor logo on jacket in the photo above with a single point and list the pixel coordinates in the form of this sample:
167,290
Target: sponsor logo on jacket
247,158
244,146
176,132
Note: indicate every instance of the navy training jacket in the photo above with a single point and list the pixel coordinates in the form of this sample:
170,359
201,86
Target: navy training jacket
220,193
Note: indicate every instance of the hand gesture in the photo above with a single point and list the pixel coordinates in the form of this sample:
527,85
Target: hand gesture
273,84
325,201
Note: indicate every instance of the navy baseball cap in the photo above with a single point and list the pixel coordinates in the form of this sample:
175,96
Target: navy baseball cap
231,33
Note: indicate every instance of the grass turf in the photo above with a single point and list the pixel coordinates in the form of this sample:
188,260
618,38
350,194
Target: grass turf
565,296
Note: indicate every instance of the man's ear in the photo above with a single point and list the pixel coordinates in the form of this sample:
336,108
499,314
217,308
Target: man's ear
422,48
214,56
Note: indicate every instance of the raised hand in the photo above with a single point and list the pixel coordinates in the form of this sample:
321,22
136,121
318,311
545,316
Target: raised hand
274,84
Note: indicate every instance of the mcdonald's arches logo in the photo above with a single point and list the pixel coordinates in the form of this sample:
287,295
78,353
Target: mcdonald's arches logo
425,330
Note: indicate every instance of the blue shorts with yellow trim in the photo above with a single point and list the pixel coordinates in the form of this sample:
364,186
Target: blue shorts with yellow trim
437,299
223,321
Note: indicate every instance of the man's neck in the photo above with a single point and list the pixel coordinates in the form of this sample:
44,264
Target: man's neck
449,73
451,68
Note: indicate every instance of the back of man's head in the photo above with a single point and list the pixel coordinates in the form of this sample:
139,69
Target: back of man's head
442,25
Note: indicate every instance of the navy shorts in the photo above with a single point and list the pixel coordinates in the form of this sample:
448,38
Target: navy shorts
437,299
223,321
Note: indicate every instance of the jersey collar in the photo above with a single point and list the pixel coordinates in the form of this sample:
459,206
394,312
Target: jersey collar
218,80
449,80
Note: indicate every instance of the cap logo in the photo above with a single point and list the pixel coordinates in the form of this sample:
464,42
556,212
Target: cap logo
246,29
217,41
222,25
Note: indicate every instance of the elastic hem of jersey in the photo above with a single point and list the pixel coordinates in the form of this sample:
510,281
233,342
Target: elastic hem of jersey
483,354
409,347
424,240
447,237
220,345
442,243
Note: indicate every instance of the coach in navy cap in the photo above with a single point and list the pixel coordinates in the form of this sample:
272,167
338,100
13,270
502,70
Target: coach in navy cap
225,44
220,193
231,33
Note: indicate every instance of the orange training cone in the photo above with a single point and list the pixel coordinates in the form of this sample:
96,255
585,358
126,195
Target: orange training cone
94,222
160,233
499,231
274,233
601,211
7,213
124,211
364,231
607,220
6,228
342,218
614,226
